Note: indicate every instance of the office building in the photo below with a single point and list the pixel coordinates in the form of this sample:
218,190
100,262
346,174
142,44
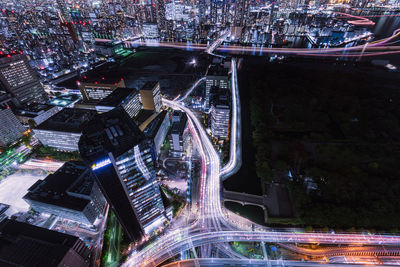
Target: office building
216,76
220,112
177,134
36,113
151,96
63,130
22,244
157,130
11,128
69,193
20,80
99,83
122,160
127,98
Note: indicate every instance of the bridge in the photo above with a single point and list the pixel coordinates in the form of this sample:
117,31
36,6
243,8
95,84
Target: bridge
210,50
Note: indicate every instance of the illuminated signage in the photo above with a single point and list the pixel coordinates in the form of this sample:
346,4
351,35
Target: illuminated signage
101,164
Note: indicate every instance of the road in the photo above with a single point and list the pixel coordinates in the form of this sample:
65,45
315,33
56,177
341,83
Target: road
213,225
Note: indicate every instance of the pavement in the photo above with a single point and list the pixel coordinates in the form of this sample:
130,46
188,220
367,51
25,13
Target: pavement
15,186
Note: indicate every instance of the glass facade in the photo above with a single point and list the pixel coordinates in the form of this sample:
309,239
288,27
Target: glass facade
137,172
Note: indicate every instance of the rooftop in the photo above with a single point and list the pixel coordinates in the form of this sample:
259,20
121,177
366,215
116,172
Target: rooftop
32,110
113,131
56,188
68,120
23,244
105,74
217,70
178,127
152,128
143,116
117,96
149,85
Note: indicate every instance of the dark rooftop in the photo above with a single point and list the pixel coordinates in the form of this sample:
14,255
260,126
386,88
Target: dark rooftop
22,244
143,115
68,120
32,110
151,130
117,96
217,70
72,177
105,74
113,131
179,126
149,85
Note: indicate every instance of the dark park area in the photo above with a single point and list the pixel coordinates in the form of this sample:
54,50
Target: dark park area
330,133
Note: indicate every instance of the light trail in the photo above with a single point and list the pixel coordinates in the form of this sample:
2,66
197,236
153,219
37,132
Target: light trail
213,227
235,144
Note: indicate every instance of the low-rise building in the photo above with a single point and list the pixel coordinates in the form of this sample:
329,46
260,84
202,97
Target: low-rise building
63,130
23,244
36,113
70,193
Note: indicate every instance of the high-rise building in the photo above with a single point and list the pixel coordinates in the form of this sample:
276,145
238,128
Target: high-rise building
11,128
220,111
242,9
69,193
127,98
177,134
20,80
151,96
161,20
63,130
122,160
157,130
217,76
24,244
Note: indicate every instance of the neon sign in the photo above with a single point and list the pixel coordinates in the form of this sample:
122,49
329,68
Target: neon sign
101,164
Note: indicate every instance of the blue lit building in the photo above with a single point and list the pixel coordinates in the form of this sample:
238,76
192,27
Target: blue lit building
122,159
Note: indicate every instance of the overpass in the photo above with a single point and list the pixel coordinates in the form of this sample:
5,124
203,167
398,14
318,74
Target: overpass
346,251
251,262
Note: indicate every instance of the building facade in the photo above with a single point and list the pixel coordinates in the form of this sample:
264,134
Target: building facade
20,80
11,128
127,98
177,134
63,130
151,96
217,76
157,130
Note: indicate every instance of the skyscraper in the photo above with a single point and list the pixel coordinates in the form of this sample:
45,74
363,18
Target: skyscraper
122,161
20,80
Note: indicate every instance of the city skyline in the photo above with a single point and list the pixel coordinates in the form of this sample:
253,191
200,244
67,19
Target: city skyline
199,133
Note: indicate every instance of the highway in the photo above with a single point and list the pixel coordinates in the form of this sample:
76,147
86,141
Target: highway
214,226
251,262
